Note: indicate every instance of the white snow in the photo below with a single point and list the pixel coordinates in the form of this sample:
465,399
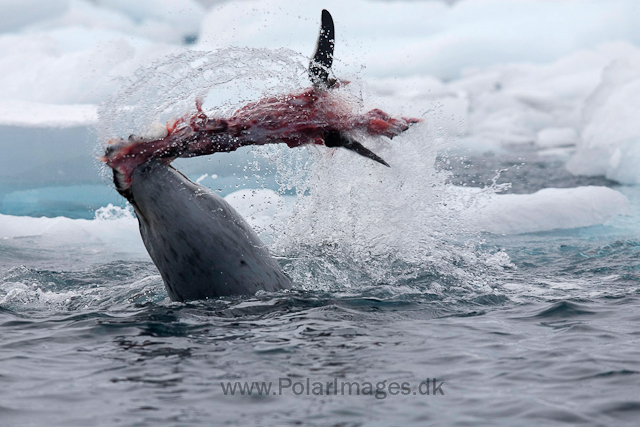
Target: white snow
74,52
15,14
114,230
404,38
556,137
547,209
562,76
610,143
37,114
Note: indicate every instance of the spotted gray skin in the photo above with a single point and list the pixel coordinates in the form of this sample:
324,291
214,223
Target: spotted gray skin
202,247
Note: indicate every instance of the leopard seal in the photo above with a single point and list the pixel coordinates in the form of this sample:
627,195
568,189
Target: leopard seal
202,247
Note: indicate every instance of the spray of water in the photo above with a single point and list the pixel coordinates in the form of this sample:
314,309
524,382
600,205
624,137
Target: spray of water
355,223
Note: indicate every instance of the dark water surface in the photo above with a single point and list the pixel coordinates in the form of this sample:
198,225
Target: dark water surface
558,343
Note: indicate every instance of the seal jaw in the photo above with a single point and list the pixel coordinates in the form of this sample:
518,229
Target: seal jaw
122,186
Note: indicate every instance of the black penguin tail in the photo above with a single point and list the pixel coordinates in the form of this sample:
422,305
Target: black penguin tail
320,64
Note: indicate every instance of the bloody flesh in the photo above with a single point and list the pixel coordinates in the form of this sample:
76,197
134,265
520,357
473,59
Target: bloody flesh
307,117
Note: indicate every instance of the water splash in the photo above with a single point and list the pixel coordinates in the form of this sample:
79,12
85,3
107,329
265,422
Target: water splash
111,287
112,213
354,223
223,80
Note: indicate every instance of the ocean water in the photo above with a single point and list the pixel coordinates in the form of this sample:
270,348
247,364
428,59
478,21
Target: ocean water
491,276
548,337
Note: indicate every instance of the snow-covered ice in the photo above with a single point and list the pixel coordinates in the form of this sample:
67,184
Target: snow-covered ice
486,74
546,210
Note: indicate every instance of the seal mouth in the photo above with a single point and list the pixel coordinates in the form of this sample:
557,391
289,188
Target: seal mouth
123,187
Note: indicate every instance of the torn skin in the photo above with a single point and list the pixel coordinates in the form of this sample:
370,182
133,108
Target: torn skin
308,117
